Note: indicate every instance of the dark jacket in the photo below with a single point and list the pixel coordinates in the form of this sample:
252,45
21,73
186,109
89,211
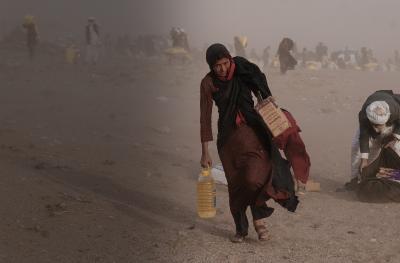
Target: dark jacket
366,129
235,95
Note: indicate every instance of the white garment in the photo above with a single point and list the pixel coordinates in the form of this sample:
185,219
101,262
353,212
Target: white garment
94,38
92,54
93,49
218,174
375,146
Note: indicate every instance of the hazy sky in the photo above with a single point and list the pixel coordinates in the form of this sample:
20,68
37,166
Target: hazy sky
374,23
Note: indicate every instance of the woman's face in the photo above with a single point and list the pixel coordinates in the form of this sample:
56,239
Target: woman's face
221,67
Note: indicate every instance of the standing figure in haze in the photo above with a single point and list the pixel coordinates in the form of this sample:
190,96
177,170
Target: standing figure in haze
254,168
240,44
287,61
32,35
266,57
184,39
179,38
92,41
321,51
304,57
364,58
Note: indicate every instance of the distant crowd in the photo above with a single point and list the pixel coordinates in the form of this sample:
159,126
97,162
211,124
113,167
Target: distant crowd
175,46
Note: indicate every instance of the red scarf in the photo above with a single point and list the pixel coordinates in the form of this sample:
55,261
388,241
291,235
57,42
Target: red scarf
240,120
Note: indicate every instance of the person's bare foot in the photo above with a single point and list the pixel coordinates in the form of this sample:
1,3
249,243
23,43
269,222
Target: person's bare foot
261,229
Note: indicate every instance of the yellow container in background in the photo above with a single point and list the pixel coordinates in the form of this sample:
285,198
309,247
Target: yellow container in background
70,55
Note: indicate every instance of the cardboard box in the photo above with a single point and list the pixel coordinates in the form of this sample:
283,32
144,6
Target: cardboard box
313,186
273,117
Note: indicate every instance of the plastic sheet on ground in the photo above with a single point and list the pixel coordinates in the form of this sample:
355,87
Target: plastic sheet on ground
218,174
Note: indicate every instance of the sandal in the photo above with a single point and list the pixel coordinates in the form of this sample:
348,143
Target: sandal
237,238
261,229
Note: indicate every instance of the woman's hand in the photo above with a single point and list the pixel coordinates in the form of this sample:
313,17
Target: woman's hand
385,172
206,160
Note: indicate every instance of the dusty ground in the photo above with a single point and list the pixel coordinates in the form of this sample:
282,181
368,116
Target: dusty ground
100,165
